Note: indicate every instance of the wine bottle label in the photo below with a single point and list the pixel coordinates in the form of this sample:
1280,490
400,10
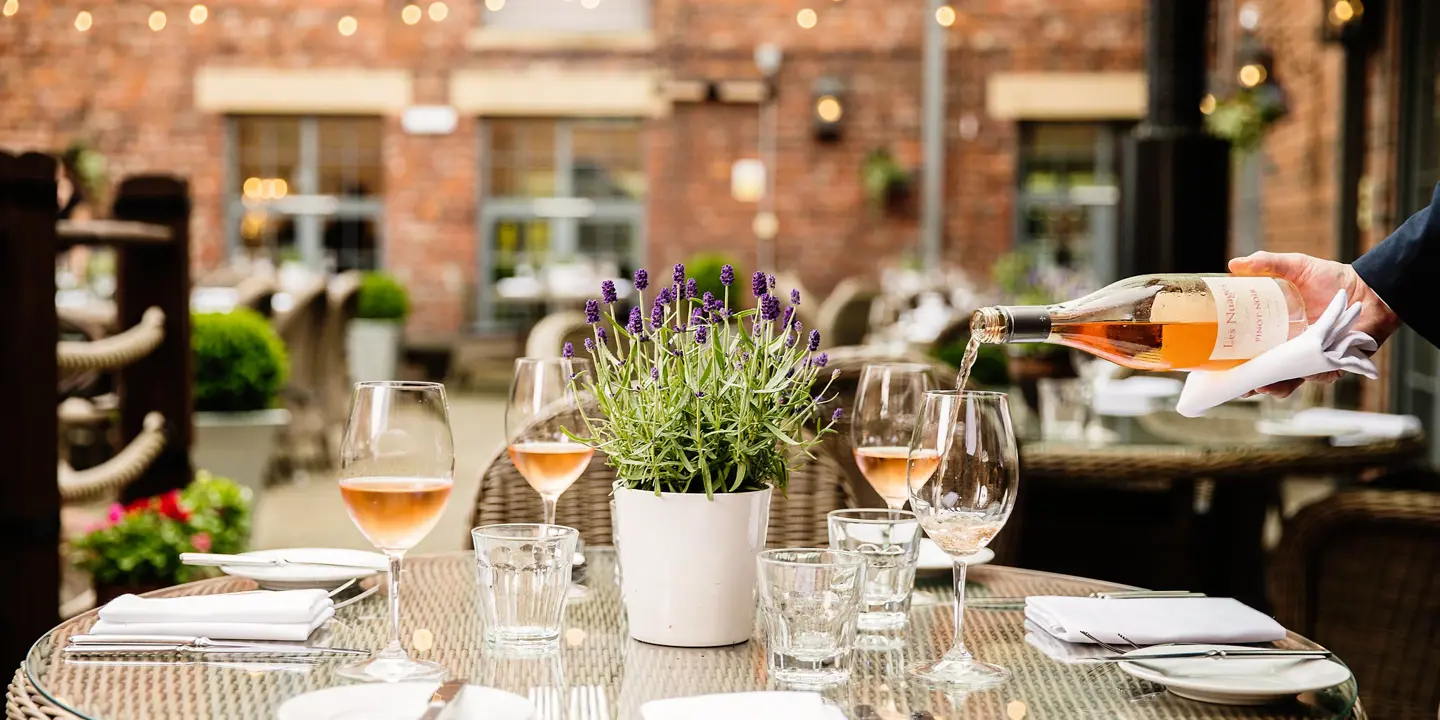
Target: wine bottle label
1250,315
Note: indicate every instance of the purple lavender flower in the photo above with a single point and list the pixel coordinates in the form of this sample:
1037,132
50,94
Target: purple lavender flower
634,327
654,373
607,292
697,316
789,314
679,274
758,284
657,314
791,339
769,307
794,296
692,289
672,350
796,325
699,393
702,334
814,341
820,360
568,351
771,279
727,275
839,413
642,279
589,345
600,333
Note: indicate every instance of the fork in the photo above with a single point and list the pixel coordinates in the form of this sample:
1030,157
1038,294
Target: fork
549,703
588,702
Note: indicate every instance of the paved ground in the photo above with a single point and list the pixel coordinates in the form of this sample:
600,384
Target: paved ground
309,513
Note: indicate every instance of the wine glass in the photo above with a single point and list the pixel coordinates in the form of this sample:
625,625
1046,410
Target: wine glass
397,467
887,406
543,405
962,504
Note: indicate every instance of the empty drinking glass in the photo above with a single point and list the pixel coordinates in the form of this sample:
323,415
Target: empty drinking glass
809,599
524,573
890,542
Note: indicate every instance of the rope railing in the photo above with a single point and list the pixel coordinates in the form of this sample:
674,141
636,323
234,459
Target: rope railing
115,351
117,472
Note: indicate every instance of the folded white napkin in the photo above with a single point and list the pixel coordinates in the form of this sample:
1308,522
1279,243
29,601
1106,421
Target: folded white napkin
1149,621
746,705
283,615
1328,344
1369,426
1059,650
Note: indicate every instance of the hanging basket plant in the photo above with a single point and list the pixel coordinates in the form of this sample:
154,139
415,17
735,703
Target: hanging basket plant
887,183
1246,117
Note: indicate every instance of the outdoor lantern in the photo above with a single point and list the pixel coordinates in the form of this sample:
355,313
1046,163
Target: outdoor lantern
1349,21
828,109
1256,76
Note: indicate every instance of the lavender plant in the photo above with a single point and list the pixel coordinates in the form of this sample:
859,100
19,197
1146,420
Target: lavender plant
693,396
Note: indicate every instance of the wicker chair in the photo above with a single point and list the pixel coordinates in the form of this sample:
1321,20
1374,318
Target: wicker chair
844,317
1359,572
554,330
797,519
304,444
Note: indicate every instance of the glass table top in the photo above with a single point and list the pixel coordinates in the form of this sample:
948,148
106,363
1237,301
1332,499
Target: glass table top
597,658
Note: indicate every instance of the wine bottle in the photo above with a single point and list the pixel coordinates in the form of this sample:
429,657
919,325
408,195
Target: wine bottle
1160,322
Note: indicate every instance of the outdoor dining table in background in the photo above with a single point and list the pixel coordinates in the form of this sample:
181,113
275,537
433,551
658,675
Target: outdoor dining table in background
598,658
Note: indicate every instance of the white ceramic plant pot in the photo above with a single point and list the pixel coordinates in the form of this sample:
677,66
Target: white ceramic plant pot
238,445
688,565
373,349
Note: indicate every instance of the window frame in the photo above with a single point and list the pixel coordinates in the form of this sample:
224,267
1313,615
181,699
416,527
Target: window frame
1103,216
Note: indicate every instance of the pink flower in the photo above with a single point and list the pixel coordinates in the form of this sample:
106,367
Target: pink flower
117,511
201,541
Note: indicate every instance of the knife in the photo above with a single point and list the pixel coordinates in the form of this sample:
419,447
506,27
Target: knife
1215,655
442,697
217,560
171,643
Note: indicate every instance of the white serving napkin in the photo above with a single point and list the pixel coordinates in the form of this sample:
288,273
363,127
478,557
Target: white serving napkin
1369,426
1150,621
1059,650
1328,344
744,705
283,615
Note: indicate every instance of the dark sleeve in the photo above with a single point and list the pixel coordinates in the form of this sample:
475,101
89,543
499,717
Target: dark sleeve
1404,270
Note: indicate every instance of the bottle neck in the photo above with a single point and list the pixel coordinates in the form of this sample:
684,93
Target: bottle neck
1011,324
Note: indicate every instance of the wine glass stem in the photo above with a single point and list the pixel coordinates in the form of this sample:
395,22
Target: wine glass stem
550,501
894,505
394,646
957,648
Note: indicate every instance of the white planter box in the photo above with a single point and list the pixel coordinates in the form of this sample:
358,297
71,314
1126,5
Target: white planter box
373,349
688,565
238,445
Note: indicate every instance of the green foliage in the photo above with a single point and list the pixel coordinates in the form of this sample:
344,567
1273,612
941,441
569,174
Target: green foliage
382,297
705,268
991,369
879,173
1023,278
1244,118
141,543
240,363
720,405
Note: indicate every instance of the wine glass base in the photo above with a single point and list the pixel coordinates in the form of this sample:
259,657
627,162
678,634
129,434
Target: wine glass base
381,668
959,674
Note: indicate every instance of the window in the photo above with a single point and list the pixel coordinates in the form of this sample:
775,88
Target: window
579,16
559,199
1069,193
307,188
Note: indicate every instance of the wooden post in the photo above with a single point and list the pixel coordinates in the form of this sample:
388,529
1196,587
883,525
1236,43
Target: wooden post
157,275
30,513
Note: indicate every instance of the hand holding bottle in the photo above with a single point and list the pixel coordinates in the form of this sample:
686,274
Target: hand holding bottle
1318,280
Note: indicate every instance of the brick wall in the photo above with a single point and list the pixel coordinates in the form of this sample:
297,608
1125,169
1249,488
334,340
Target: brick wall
130,91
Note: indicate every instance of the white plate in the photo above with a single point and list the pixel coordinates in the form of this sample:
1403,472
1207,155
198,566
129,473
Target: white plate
1236,682
296,576
933,558
403,701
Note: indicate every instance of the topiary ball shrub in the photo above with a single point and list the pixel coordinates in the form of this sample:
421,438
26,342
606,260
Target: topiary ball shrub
382,297
705,268
240,363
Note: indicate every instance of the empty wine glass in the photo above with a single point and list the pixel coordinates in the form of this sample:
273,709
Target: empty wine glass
962,504
397,467
543,405
887,405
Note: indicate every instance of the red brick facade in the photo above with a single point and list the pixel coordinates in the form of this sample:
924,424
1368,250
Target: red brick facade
131,91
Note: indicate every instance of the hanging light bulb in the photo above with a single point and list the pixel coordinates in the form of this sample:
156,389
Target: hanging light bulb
199,14
494,5
83,21
11,7
439,11
411,14
348,25
945,15
806,18
157,21
1207,104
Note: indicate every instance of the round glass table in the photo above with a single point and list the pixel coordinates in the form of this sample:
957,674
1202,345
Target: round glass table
601,674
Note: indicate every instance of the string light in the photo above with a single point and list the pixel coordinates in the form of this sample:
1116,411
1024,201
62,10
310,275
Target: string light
157,21
199,14
439,11
494,5
252,187
829,109
589,4
83,21
11,7
1207,104
411,14
945,15
806,18
348,26
1251,75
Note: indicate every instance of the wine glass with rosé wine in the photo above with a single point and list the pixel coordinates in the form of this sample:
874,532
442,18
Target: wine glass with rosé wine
543,406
